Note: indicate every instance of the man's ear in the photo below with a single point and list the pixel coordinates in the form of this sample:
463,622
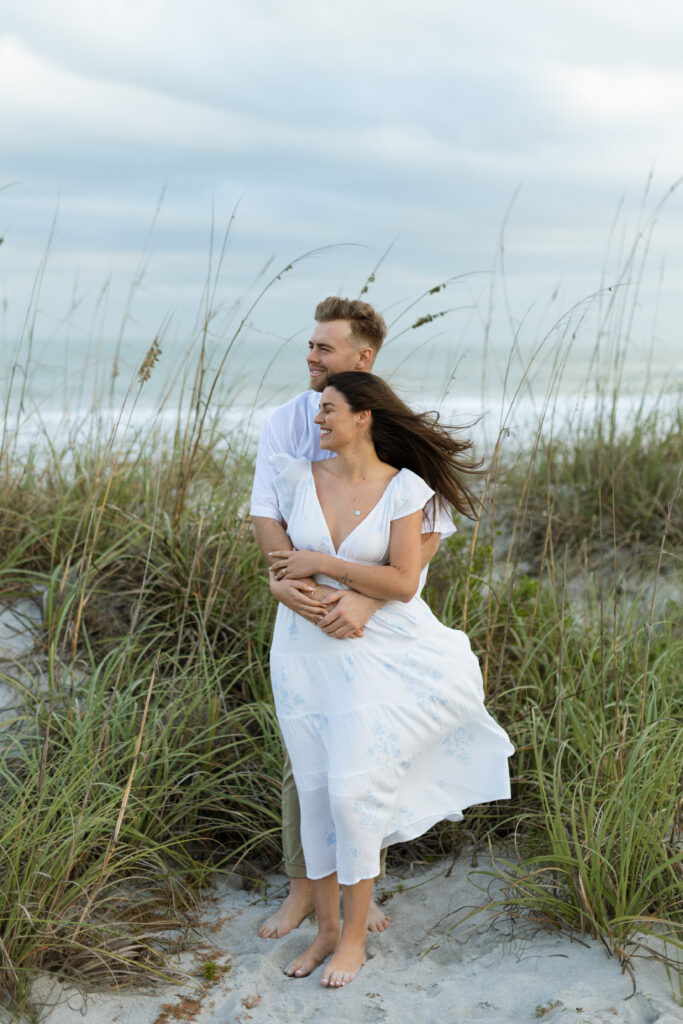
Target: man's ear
364,358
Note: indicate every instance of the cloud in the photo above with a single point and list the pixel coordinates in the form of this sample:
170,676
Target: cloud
68,105
636,96
363,124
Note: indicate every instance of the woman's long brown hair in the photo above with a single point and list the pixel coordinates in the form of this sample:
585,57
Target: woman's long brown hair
411,440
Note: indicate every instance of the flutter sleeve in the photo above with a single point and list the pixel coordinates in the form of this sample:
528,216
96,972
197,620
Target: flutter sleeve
438,518
289,473
410,494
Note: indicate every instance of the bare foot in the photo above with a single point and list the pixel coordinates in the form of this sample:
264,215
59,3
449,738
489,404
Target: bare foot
307,961
344,965
295,907
378,921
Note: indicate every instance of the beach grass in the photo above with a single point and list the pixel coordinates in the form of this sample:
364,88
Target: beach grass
144,753
572,597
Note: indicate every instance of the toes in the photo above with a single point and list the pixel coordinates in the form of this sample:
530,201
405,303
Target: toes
337,979
299,969
378,922
269,929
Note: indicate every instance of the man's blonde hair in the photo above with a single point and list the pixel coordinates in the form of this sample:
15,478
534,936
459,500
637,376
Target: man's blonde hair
367,325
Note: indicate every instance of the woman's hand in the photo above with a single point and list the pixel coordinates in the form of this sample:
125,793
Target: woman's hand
295,565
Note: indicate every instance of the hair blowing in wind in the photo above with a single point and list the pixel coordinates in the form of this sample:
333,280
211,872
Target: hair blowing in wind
410,440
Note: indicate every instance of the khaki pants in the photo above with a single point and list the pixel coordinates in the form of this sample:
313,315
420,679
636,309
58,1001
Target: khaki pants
295,865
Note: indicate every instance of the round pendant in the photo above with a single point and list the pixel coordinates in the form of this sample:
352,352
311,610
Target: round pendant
356,511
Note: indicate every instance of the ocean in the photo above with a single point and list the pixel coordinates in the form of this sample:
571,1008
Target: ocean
57,390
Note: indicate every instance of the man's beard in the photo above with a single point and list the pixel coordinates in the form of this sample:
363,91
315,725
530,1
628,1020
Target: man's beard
320,383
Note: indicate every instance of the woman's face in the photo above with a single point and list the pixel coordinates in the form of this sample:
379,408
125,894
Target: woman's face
338,424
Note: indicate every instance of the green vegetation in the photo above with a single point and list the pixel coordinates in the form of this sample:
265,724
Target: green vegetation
146,753
577,618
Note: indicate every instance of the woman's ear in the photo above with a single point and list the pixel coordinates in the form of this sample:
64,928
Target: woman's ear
363,417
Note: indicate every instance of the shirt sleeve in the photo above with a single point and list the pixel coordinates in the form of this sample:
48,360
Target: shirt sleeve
287,474
410,494
264,499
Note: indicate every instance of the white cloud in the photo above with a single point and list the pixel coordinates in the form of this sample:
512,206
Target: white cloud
631,96
35,91
377,120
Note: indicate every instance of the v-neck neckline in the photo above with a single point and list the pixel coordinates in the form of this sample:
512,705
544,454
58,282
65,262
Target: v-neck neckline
358,525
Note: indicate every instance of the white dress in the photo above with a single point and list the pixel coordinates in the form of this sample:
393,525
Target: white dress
387,733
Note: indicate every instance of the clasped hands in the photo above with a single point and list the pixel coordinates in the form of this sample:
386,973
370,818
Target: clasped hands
339,613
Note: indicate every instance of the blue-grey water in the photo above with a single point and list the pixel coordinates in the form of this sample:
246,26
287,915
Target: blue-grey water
58,388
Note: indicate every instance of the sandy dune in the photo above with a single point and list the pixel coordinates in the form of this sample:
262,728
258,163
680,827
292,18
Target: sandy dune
485,972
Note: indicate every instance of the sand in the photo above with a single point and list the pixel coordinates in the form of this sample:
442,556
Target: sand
486,971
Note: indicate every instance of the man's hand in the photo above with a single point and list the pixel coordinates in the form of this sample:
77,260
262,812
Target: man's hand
299,595
347,612
308,600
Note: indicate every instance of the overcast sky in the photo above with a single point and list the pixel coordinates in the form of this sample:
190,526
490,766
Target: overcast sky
365,122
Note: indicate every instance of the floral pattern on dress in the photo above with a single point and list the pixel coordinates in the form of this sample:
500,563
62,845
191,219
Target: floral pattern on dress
289,701
288,698
401,813
423,670
421,684
458,744
368,810
348,668
386,746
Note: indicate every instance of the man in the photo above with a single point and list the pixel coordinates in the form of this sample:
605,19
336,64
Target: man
348,335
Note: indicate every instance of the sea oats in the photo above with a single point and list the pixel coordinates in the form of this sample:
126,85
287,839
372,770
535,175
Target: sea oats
145,371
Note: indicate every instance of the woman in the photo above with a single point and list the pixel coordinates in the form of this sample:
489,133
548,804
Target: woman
387,733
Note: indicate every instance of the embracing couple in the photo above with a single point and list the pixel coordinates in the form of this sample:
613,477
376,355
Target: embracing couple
380,705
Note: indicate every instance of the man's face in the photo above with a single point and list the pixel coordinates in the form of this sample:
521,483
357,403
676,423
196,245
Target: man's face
332,350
